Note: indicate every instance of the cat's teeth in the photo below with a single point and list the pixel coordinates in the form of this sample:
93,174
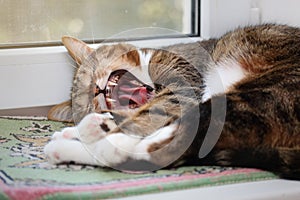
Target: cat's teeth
110,100
133,106
111,83
116,78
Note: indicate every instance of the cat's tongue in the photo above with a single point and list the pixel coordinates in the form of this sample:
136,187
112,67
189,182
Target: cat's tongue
138,95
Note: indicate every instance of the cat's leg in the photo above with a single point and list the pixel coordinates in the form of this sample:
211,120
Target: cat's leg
92,128
119,148
155,141
111,151
66,151
167,126
88,143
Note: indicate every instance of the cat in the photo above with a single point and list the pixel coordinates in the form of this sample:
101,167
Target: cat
230,101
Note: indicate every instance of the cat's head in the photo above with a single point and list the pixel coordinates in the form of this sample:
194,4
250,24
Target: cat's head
107,78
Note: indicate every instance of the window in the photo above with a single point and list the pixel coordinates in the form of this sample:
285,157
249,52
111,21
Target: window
36,71
43,22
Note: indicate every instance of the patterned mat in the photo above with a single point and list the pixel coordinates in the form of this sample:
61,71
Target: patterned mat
25,174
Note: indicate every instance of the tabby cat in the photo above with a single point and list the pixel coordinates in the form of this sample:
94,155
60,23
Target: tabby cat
232,101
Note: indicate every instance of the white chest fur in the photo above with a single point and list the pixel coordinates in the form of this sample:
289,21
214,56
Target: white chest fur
221,77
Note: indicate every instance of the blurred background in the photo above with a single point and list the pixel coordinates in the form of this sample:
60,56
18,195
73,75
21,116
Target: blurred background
41,21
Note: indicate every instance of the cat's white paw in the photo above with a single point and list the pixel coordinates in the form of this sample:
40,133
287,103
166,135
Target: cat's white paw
94,146
66,133
93,127
66,151
52,153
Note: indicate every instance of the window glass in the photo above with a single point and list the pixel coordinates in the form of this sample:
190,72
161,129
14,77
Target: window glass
34,22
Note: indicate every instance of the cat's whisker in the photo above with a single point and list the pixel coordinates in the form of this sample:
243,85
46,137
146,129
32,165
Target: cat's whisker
74,66
89,65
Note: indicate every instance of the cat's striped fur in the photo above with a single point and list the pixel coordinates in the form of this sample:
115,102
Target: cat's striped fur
238,94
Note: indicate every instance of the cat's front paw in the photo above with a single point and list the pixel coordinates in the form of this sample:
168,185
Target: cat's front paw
52,152
91,129
94,127
66,133
66,151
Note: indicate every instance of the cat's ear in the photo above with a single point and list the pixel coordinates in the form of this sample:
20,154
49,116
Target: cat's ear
77,48
61,112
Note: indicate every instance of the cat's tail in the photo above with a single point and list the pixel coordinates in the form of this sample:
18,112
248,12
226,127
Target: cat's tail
289,166
284,162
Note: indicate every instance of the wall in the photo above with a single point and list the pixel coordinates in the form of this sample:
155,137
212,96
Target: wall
220,16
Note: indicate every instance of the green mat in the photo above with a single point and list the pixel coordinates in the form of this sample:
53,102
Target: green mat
25,174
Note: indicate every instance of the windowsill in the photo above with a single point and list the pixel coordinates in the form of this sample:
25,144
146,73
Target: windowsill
32,111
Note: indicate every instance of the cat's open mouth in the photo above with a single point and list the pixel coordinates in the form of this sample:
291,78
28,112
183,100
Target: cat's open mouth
123,90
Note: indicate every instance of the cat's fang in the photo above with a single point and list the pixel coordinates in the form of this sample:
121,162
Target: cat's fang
110,100
108,90
133,106
111,83
116,78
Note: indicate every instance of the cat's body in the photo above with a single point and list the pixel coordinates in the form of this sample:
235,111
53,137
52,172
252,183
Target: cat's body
233,101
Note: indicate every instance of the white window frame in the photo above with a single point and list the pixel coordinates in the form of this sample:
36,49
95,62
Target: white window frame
35,77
